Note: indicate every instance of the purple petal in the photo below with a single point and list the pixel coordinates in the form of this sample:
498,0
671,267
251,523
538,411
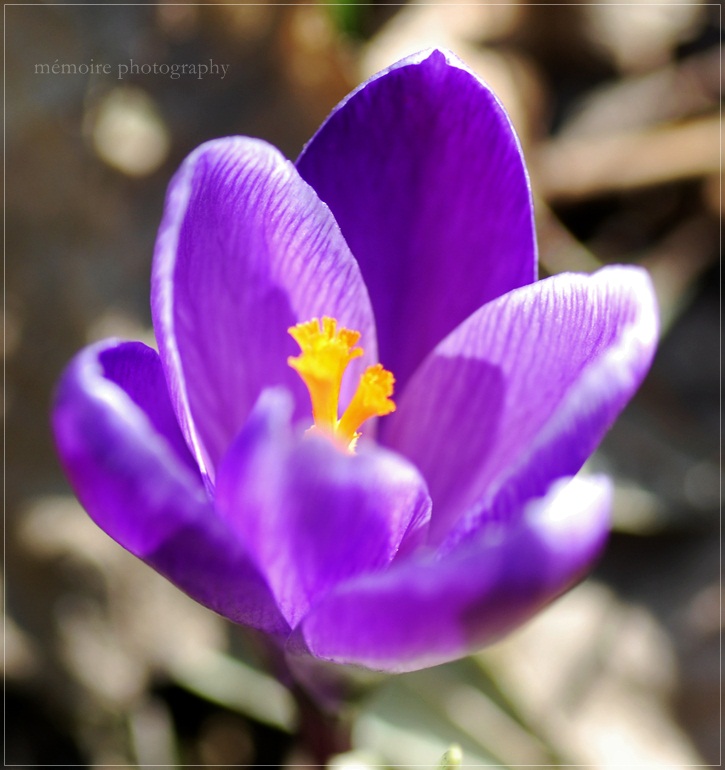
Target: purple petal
136,369
123,455
311,514
426,611
523,391
245,250
424,174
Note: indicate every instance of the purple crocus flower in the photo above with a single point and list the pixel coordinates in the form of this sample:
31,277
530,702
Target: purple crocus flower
408,528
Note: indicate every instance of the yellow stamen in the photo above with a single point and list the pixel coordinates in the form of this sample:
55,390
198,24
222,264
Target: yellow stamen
325,353
371,399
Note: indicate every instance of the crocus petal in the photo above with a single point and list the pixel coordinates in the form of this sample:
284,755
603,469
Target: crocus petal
125,459
424,174
523,391
427,611
136,369
311,514
245,250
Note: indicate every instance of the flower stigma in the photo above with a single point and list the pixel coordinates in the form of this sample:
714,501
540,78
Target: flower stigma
325,354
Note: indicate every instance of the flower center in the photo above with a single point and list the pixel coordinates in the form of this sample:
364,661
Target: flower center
325,353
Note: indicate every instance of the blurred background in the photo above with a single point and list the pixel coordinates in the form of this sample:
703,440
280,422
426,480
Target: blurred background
617,107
